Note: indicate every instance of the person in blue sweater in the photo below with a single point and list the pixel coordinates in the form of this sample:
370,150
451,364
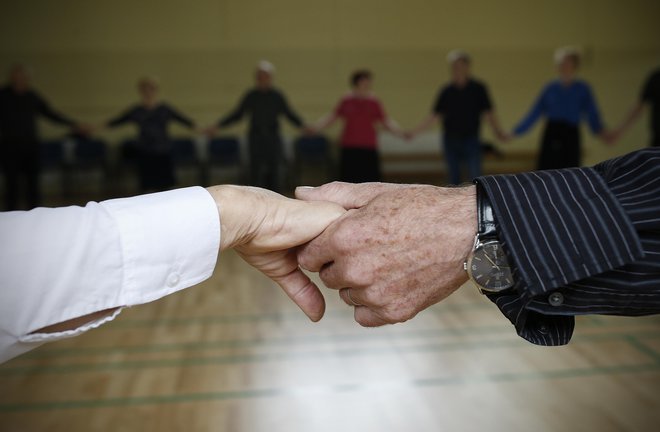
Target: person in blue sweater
564,102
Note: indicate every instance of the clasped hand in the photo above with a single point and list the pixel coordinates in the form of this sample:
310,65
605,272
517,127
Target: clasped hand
390,250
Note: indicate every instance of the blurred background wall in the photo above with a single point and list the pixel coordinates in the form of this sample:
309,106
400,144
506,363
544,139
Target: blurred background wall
87,55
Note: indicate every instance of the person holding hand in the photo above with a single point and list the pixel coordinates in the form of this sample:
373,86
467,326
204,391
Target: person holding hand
20,150
155,161
461,105
362,112
564,102
263,105
101,258
649,97
543,246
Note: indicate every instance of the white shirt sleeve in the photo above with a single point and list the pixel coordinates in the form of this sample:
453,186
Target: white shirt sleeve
63,263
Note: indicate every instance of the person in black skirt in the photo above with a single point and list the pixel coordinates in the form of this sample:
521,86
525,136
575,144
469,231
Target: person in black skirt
154,148
362,112
564,102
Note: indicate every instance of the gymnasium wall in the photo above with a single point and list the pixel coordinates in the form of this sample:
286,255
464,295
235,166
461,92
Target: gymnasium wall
87,55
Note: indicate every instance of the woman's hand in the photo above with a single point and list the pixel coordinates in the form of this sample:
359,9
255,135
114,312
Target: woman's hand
265,228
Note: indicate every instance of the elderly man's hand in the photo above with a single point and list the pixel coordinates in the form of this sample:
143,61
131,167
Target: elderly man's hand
265,227
398,250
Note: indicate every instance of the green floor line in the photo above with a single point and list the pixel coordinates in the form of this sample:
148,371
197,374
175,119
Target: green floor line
640,346
541,375
242,343
248,358
342,388
308,339
320,355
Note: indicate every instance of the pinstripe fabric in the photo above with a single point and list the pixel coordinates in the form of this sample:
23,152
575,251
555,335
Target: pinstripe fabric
587,237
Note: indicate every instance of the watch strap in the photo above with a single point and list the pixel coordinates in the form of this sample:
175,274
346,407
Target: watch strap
486,228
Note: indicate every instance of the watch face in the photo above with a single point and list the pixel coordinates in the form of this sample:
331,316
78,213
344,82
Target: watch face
489,268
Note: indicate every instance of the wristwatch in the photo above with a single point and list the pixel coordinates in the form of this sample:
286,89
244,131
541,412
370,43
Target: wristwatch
487,265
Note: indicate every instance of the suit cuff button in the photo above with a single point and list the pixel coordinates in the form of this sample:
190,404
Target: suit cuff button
556,299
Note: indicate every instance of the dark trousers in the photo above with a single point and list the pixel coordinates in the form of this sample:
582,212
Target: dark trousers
560,146
155,170
267,162
21,164
462,151
359,165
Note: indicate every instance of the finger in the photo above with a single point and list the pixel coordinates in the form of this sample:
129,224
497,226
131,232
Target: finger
332,276
352,297
367,318
347,195
316,254
290,223
299,287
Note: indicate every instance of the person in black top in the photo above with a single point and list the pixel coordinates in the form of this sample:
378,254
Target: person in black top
20,106
154,148
650,97
460,105
264,104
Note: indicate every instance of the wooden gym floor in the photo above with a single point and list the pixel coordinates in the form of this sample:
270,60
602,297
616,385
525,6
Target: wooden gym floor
233,354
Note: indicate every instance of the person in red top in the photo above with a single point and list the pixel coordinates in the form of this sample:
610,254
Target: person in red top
362,112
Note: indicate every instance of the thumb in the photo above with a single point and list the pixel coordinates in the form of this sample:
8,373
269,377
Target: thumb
347,195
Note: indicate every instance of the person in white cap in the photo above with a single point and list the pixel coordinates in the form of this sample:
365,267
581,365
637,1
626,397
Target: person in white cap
460,105
564,102
264,104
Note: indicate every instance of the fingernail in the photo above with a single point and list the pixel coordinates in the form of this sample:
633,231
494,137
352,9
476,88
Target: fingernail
305,187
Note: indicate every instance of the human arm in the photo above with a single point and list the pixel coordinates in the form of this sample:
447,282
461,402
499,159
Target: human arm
598,248
494,123
387,122
180,118
589,234
434,117
636,112
127,116
47,111
592,114
631,118
234,116
289,113
532,116
429,121
393,127
325,121
67,270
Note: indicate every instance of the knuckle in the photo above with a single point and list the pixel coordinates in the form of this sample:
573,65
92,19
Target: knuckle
332,187
356,276
328,278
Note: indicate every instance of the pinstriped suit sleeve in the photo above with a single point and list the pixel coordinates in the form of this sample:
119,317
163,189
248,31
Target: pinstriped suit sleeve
582,241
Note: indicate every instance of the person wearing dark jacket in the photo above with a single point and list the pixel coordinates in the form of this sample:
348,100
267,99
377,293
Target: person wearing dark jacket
649,97
264,104
20,156
460,106
154,148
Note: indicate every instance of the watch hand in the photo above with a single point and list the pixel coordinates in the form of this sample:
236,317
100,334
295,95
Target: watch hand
491,261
